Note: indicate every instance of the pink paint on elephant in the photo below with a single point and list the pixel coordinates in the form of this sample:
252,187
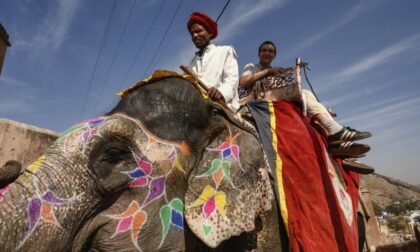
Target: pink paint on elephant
209,207
3,191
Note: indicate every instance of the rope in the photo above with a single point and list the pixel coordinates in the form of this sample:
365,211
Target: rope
305,66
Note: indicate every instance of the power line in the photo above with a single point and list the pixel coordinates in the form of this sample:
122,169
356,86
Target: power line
161,41
190,10
116,53
142,44
223,10
103,42
182,26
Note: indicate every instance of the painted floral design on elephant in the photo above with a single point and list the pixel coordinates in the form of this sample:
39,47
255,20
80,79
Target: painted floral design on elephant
85,130
229,147
221,167
41,208
172,213
30,169
211,199
131,220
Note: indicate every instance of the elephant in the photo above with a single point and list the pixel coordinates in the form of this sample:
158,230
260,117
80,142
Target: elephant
167,169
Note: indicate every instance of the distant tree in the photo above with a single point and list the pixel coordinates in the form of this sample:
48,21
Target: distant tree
377,209
397,224
412,205
394,209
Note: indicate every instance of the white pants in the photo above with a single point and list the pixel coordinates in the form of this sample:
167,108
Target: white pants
312,105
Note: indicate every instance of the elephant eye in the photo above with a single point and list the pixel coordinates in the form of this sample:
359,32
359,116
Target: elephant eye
114,155
214,111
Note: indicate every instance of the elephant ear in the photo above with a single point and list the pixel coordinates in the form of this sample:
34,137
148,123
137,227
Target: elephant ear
229,188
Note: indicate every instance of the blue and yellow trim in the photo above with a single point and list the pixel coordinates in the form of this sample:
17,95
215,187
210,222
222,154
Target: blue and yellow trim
279,168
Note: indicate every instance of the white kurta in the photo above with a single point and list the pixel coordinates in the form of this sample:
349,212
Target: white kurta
218,67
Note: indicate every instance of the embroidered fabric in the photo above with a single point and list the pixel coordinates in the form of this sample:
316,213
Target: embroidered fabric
285,86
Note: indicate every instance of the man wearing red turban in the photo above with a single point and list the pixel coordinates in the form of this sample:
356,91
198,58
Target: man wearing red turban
216,66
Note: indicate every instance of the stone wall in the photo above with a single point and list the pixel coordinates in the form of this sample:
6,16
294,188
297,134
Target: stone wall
373,236
23,142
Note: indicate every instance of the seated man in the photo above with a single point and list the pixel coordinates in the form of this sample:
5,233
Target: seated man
216,66
340,138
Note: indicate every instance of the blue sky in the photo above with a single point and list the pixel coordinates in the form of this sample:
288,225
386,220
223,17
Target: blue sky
364,56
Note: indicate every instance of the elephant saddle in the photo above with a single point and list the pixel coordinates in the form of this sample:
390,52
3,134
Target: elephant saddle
283,87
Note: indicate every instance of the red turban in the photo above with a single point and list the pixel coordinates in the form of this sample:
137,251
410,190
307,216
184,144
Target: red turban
205,21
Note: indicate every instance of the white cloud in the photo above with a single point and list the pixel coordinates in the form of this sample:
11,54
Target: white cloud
356,93
13,82
246,12
20,97
374,60
402,108
52,31
349,16
16,96
8,106
379,58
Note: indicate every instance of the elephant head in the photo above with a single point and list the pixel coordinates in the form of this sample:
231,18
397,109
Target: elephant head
163,155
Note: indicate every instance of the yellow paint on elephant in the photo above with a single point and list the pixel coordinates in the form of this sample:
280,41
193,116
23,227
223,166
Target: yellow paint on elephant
205,196
220,199
178,165
32,167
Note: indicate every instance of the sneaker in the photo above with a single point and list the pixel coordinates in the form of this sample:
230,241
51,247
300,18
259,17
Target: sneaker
348,134
355,165
348,149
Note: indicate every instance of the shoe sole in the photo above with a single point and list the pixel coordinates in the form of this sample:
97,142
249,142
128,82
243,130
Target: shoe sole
358,167
352,151
352,156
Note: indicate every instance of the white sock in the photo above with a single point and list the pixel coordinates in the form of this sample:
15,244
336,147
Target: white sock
328,123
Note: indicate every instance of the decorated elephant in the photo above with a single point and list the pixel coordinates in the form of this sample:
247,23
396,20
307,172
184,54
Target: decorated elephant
166,170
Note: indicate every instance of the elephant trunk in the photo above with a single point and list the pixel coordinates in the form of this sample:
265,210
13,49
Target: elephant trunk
45,206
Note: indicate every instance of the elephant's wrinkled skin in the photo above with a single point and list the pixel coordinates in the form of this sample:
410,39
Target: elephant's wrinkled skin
129,180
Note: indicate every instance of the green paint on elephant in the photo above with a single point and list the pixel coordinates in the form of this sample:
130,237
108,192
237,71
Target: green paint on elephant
165,216
177,205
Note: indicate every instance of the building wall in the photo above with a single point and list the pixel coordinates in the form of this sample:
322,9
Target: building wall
3,47
4,43
23,142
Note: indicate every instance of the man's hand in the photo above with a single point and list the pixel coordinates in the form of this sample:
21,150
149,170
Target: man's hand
215,94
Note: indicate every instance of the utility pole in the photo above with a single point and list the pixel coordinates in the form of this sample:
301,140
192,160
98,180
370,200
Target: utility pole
4,43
